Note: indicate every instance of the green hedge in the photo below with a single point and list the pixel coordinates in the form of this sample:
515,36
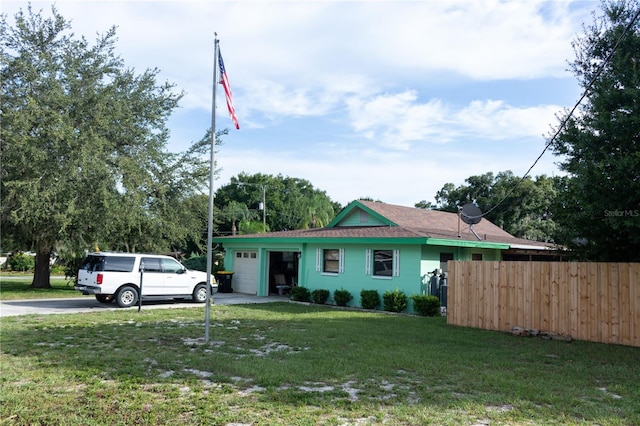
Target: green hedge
394,301
320,296
300,294
427,306
369,299
342,297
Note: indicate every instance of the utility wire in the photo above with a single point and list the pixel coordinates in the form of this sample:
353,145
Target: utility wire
566,119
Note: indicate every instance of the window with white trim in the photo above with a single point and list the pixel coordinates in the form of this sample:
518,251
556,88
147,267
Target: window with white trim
382,263
330,261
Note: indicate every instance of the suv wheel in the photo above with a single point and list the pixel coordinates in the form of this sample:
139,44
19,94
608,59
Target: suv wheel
200,293
127,296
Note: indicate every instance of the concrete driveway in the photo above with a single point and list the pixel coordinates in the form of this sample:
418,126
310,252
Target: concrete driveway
90,304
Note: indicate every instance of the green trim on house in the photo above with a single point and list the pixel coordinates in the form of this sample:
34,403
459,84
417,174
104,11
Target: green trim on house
305,240
466,243
362,240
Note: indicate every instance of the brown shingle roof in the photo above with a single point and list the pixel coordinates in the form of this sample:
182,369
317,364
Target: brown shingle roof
409,223
433,221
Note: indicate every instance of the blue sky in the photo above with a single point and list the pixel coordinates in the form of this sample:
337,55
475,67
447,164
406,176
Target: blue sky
389,100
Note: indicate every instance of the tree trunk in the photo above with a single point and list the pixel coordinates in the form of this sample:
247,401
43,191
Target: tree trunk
41,276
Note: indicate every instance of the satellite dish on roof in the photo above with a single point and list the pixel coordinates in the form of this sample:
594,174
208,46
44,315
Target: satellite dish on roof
471,214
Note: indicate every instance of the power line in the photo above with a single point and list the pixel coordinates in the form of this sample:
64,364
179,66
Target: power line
566,119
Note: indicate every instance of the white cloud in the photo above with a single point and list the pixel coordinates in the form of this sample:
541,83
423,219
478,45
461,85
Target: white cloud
362,98
399,121
484,40
495,120
396,120
299,43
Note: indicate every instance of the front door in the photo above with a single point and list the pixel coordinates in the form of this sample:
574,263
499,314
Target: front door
282,265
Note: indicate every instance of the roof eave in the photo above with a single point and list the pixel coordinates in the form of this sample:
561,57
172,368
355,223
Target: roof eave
366,240
324,240
466,243
531,247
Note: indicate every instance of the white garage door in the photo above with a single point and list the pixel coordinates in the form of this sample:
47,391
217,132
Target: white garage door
245,278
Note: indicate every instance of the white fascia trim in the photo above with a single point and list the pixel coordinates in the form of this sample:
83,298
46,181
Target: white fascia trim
527,247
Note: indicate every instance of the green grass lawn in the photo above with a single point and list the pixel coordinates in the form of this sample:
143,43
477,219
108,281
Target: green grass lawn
13,287
293,364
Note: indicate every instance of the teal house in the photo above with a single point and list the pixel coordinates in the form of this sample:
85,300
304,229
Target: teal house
368,246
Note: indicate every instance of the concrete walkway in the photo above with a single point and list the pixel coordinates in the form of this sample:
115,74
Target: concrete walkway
90,304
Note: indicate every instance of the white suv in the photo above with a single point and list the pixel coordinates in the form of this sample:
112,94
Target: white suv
118,276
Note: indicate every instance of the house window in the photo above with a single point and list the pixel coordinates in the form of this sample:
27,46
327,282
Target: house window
330,261
476,256
246,255
386,263
382,263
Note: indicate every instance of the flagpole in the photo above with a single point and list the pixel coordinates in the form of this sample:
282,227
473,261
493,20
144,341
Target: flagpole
211,190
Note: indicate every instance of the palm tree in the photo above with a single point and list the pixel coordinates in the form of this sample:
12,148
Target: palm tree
318,212
235,211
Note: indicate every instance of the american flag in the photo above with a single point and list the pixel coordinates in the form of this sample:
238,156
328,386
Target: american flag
224,80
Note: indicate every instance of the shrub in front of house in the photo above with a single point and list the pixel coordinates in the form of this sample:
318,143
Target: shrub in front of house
369,299
426,305
320,296
342,297
300,294
394,301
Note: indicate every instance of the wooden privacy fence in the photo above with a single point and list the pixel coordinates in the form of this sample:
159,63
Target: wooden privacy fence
598,302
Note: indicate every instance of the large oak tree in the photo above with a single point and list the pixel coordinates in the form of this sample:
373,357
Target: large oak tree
84,158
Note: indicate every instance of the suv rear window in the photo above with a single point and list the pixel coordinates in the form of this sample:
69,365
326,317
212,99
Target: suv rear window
108,263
